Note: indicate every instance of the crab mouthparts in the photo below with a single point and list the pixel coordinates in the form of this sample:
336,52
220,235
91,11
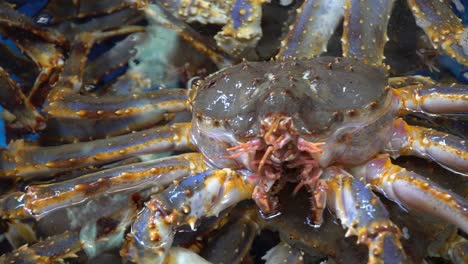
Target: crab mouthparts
278,149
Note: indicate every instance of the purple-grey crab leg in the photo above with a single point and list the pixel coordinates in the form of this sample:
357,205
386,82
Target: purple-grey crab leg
10,18
71,130
243,28
32,161
70,112
204,194
365,29
414,191
47,56
40,200
283,253
294,228
364,215
18,65
451,246
37,42
442,26
157,14
65,102
433,99
13,99
60,10
120,18
118,106
448,150
116,57
315,23
12,206
55,248
230,238
71,78
202,11
411,80
94,238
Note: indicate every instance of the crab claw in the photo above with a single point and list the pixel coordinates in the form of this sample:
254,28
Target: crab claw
361,211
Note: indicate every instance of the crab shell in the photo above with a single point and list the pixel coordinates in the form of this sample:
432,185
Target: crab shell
333,100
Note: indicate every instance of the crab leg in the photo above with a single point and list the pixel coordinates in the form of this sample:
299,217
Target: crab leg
446,149
202,11
294,228
52,249
365,216
13,19
13,99
315,23
428,99
283,253
18,233
66,9
204,194
47,56
78,106
365,29
121,18
37,42
242,30
72,130
40,200
402,81
442,26
233,240
158,15
73,115
65,103
116,57
32,161
18,65
450,246
12,206
414,191
71,78
93,239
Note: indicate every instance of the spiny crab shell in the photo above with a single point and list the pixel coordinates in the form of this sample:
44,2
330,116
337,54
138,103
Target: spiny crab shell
329,100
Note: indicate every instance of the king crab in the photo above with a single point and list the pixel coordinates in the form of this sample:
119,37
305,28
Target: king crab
327,124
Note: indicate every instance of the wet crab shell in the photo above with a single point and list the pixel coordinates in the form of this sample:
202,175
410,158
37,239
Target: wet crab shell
332,100
358,123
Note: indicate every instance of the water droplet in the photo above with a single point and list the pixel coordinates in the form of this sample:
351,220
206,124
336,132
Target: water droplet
44,19
89,87
134,37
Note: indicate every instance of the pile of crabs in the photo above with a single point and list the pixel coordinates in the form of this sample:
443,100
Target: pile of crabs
241,131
